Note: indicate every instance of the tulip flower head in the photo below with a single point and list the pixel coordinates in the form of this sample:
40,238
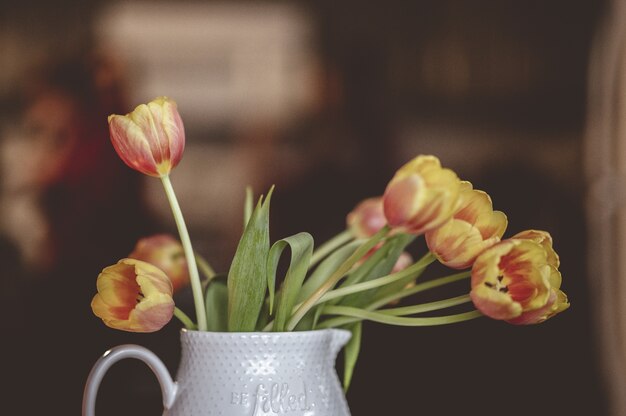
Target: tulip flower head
166,253
151,139
367,218
421,196
133,296
474,227
513,281
545,239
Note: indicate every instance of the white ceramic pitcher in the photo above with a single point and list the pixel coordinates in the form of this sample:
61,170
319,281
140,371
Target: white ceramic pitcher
242,374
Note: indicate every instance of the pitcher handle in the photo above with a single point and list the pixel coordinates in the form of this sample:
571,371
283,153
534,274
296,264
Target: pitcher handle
168,386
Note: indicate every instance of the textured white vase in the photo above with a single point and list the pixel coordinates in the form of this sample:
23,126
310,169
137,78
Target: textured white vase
243,374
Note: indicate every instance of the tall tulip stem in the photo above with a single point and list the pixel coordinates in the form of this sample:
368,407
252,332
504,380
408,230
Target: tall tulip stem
194,276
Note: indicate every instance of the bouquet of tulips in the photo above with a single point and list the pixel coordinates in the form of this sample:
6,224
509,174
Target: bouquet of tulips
358,275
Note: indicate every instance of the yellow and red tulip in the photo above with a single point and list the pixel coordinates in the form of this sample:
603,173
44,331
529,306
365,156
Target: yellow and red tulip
545,239
166,253
133,296
513,281
367,218
474,227
421,196
150,139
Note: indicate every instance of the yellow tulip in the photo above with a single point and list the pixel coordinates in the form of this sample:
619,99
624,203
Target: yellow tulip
545,239
421,196
474,227
513,281
133,296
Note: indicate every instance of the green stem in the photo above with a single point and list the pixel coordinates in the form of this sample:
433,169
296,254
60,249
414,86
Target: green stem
330,246
380,281
405,310
186,320
205,267
342,320
420,288
335,277
194,277
427,307
399,320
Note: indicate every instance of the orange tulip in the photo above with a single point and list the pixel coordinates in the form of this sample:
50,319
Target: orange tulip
421,196
133,296
166,253
151,139
367,218
474,227
513,281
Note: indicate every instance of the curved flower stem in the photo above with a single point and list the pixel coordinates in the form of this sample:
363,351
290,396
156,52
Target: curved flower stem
186,320
329,246
380,281
205,267
400,320
342,320
420,288
194,277
405,310
426,307
335,277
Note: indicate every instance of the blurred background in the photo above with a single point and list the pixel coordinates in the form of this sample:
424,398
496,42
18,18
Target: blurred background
326,100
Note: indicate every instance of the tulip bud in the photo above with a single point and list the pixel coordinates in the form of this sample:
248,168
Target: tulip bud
421,196
513,281
404,261
474,227
133,296
151,139
166,253
367,218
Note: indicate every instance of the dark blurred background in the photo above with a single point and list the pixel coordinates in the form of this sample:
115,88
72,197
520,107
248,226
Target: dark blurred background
326,100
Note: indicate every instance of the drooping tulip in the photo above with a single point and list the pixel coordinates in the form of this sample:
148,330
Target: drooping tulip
421,196
513,281
545,239
474,227
558,301
367,218
133,296
150,139
166,253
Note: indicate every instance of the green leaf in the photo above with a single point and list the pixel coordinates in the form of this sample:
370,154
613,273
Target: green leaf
327,268
351,353
247,206
301,246
216,301
379,264
247,281
264,317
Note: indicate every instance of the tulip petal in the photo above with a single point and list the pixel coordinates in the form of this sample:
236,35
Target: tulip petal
150,139
421,196
133,296
131,145
517,271
495,304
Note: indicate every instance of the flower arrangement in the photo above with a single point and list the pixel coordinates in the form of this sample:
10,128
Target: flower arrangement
358,275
